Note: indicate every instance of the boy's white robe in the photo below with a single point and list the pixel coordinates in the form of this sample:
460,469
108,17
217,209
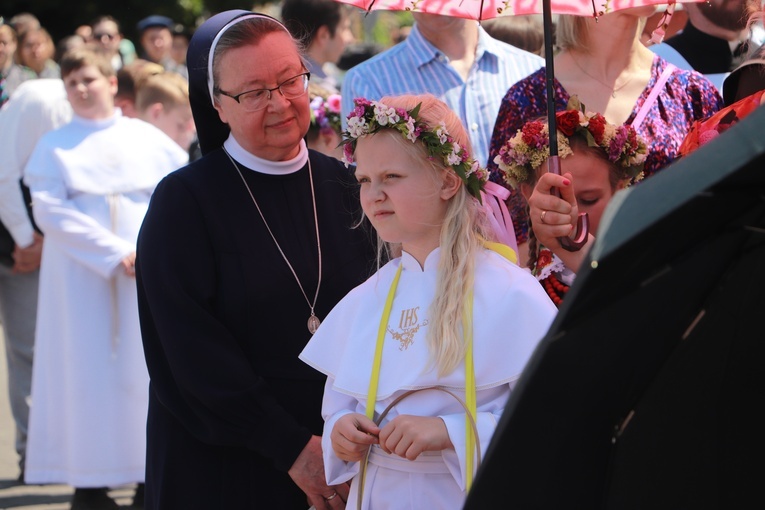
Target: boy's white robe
511,313
91,182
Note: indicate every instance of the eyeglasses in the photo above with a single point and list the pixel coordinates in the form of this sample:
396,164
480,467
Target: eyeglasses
254,100
109,37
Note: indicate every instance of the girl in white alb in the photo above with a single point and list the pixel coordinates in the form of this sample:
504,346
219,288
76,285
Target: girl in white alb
453,316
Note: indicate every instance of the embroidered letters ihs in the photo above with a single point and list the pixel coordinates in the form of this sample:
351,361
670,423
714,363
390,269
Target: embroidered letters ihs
408,327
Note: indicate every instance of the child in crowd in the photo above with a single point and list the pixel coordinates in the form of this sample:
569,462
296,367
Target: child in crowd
422,356
162,100
598,159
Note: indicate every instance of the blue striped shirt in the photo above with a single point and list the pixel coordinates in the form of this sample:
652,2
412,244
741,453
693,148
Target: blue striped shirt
415,66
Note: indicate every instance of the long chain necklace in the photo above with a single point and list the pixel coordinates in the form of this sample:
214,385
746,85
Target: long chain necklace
313,320
614,89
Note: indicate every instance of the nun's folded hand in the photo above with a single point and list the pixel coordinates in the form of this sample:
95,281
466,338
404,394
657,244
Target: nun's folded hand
308,473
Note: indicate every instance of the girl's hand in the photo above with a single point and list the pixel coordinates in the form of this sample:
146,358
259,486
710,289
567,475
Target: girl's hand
352,435
553,217
560,216
408,436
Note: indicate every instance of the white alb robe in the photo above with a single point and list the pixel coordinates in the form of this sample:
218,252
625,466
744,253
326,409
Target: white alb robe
91,181
511,313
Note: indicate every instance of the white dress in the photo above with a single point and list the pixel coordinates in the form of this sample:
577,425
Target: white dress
511,313
91,181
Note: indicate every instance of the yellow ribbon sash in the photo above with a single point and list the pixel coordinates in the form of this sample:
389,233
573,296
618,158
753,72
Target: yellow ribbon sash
470,398
467,331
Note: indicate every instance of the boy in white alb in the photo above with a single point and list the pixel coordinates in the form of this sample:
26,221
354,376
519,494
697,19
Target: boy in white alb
91,181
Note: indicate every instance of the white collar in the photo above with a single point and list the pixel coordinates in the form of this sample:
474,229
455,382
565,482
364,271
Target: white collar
98,123
265,166
431,261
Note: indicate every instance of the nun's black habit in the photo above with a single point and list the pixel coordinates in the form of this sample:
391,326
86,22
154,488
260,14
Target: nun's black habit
223,319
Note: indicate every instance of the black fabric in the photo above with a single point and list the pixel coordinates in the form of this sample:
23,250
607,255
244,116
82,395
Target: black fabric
707,54
701,403
7,244
223,321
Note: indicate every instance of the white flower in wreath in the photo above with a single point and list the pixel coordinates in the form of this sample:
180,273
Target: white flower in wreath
442,133
357,126
384,115
411,133
454,158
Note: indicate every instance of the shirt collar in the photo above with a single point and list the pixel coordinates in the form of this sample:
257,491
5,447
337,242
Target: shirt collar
425,52
487,45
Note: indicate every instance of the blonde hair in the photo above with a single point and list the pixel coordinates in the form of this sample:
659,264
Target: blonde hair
572,32
168,88
463,227
129,76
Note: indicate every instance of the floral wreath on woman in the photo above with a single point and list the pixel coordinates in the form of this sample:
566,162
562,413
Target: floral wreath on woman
369,117
521,156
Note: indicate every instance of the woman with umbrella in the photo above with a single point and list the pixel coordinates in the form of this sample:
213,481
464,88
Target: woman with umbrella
604,63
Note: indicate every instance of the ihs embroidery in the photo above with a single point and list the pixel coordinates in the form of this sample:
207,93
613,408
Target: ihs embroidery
408,327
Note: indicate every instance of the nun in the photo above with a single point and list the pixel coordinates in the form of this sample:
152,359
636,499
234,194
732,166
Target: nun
241,255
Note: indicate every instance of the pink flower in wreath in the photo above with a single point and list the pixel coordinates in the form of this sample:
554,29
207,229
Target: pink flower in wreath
333,103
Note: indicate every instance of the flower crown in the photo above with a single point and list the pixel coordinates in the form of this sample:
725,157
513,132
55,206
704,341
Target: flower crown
523,154
369,117
325,113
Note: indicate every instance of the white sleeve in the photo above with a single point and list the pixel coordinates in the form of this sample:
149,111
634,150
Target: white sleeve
13,211
36,108
486,422
79,235
334,406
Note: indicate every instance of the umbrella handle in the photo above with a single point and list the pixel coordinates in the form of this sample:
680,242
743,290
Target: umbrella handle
575,241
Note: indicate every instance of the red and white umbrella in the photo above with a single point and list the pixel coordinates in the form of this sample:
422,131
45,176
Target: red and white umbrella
488,9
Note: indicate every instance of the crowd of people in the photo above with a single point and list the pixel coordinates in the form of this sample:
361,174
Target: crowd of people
235,275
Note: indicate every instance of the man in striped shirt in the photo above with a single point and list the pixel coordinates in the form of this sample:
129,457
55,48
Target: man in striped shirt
453,59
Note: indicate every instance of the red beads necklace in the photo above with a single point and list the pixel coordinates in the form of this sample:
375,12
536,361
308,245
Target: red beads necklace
555,289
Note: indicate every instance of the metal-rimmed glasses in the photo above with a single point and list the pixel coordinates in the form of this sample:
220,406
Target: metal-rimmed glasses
257,99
